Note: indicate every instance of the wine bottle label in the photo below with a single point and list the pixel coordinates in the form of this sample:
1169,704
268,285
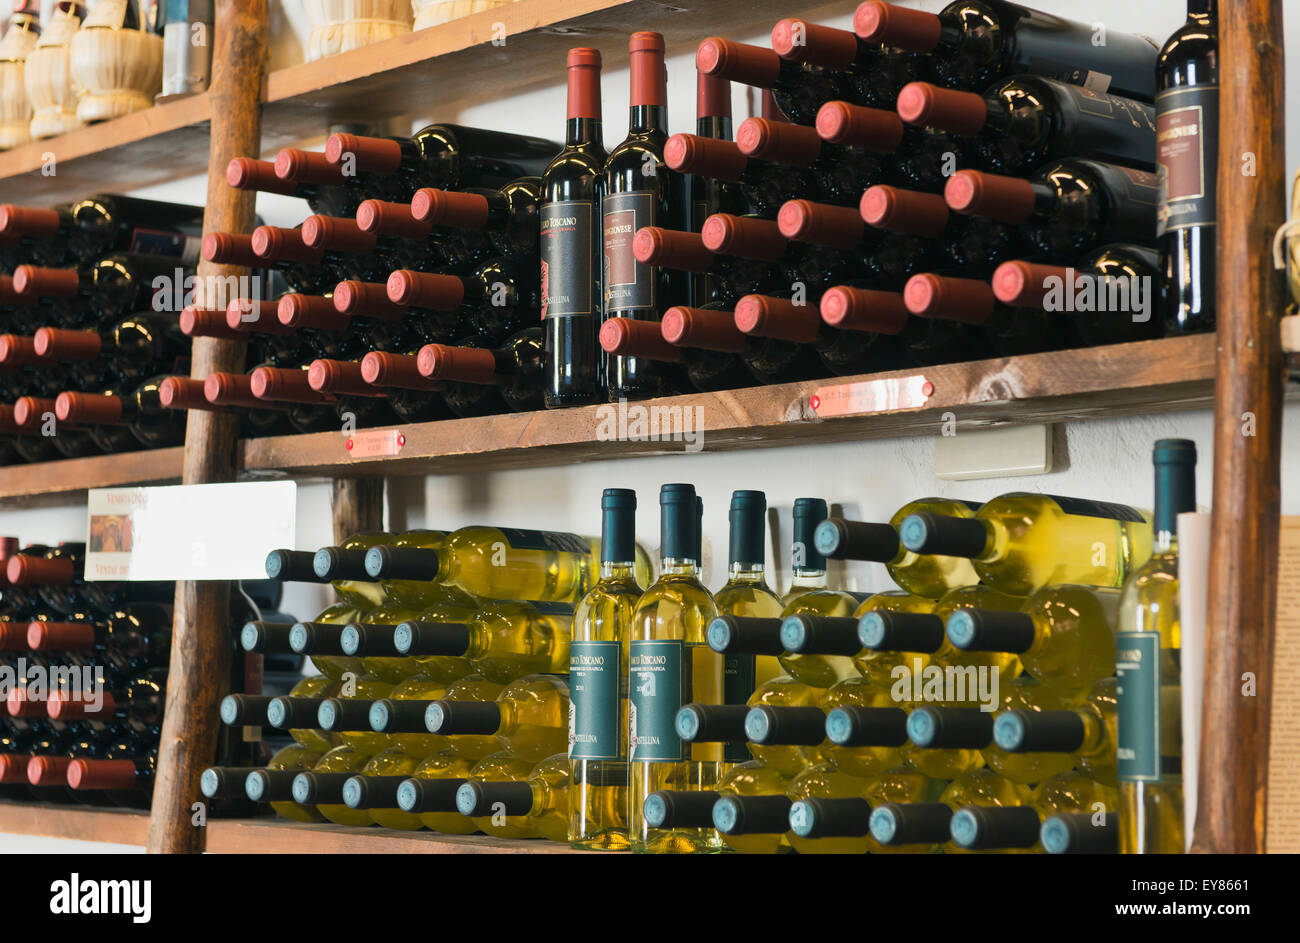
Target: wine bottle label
1137,671
1086,508
545,540
566,249
595,672
1090,79
171,244
553,608
738,673
658,678
1187,144
629,284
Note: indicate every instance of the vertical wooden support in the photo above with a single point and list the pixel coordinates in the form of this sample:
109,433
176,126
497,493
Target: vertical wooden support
1247,432
358,506
201,643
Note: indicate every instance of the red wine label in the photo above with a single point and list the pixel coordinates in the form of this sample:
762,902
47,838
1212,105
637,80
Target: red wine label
629,284
1072,75
1140,186
173,244
1187,121
566,249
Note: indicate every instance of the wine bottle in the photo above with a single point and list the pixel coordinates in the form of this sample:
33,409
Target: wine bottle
708,195
124,775
725,723
374,789
746,594
480,380
980,828
313,168
838,174
407,717
130,351
899,824
350,252
348,715
1079,833
812,265
840,352
1187,129
136,707
873,74
272,783
220,392
496,563
133,637
848,817
301,703
108,288
34,415
322,787
751,808
1020,542
798,88
442,156
1022,121
1009,331
825,782
277,249
97,225
430,793
1148,695
538,805
273,638
529,718
838,538
640,190
668,628
1067,207
727,277
973,244
866,728
718,355
763,185
1085,733
502,641
921,157
570,243
598,813
973,44
121,418
1064,634
245,173
59,576
643,340
1113,275
496,300
478,223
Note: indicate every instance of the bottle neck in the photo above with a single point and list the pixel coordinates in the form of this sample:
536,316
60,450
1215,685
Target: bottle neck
717,127
1203,11
678,566
746,573
645,118
610,570
580,131
803,578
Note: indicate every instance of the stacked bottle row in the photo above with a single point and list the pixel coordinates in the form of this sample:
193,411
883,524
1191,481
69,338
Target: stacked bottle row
88,304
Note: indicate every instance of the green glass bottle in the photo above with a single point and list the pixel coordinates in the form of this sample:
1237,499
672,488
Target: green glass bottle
540,800
1148,696
1021,542
1064,635
927,575
599,796
671,664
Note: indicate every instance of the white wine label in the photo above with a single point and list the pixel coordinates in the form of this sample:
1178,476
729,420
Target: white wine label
656,682
1086,508
521,539
595,670
188,532
1137,670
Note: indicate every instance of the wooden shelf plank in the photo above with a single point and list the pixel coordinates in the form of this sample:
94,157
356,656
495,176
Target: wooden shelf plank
152,146
83,823
72,475
1161,375
278,836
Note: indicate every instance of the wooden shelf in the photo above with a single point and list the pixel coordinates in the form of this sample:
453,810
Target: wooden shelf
1150,376
431,72
278,836
74,475
83,823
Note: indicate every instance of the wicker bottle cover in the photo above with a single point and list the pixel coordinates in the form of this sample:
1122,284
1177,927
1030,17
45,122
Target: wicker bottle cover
340,25
116,61
49,79
17,44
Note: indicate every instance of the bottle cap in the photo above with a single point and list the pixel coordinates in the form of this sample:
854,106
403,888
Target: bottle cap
277,244
801,41
671,248
245,173
16,351
335,234
785,726
901,27
19,704
738,62
475,798
431,638
89,409
45,636
743,236
48,770
924,532
910,823
426,290
968,300
225,782
367,299
428,795
860,309
59,344
680,808
625,337
230,389
852,726
872,129
291,565
764,316
910,211
583,66
745,635
926,105
391,219
244,710
820,223
206,322
712,96
990,630
967,728
278,384
884,630
450,208
751,815
1025,284
341,377
705,157
400,371
299,166
295,310
820,635
1006,199
228,248
701,328
17,221
102,774
30,412
462,364
780,141
32,281
375,155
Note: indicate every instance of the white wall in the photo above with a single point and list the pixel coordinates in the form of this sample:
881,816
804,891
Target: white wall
1104,459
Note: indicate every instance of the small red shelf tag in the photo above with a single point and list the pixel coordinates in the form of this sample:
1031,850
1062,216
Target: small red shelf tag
871,396
374,443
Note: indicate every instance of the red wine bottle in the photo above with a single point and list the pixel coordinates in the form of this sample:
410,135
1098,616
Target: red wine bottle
928,341
1187,139
233,392
124,775
442,156
124,417
713,328
1117,273
764,185
481,380
291,385
281,250
923,157
358,315
974,244
98,225
972,43
873,74
837,241
28,444
839,174
496,299
684,368
478,223
842,352
330,184
35,416
137,705
108,289
1010,331
798,88
570,245
1024,120
59,577
245,173
1066,208
185,393
709,195
136,347
728,276
353,253
640,190
393,375
797,266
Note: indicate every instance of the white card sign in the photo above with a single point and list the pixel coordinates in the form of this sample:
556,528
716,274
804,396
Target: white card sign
188,532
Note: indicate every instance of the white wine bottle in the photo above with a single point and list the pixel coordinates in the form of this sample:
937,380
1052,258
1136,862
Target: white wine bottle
501,766
668,809
374,789
348,714
1149,748
529,718
1083,734
503,640
879,665
903,824
1021,542
401,716
1064,635
430,793
670,664
1075,833
395,718
1017,828
725,724
599,797
250,710
322,786
849,817
272,638
273,783
540,801
930,575
344,566
865,728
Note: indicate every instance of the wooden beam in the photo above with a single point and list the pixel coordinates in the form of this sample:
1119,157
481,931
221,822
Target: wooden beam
1247,432
201,643
358,506
277,836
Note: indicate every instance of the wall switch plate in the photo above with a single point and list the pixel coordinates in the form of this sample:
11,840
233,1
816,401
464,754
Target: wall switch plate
1004,452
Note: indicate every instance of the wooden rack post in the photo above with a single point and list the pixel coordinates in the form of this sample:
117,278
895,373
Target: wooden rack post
1247,432
357,505
200,651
